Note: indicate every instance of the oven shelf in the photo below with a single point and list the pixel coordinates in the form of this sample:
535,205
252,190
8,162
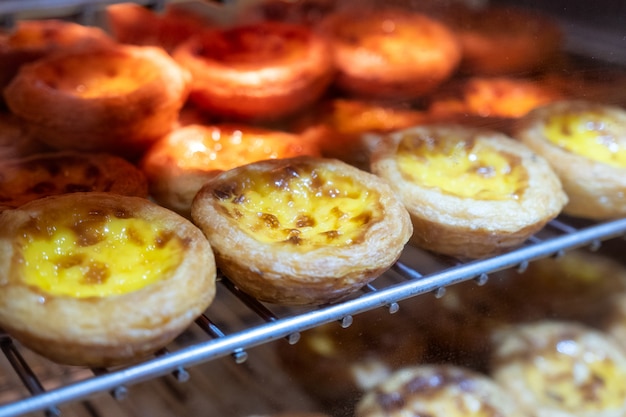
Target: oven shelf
416,273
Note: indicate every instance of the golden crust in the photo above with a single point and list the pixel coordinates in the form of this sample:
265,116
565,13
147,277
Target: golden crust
596,190
556,368
437,390
265,70
390,53
116,99
46,174
465,226
104,331
178,164
278,271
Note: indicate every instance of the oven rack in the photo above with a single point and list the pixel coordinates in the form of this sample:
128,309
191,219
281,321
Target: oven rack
270,323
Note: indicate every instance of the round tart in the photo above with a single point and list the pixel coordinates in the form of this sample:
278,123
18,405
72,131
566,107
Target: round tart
504,40
265,70
586,145
390,53
561,369
117,99
178,164
471,193
41,175
301,231
99,279
437,391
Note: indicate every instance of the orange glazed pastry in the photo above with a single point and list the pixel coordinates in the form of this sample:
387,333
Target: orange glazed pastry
116,99
390,53
471,192
265,70
585,143
30,40
499,40
42,175
301,231
181,162
99,279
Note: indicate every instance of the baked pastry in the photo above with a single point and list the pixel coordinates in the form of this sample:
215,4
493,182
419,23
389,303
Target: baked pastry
471,193
30,40
307,12
585,143
99,279
178,164
301,231
504,39
335,365
390,53
265,70
437,391
339,125
45,174
556,368
135,24
116,99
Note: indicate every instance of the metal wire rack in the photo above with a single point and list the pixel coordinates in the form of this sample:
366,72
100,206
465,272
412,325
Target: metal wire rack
414,274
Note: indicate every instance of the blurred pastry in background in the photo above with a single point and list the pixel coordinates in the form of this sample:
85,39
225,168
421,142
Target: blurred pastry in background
16,140
437,391
559,368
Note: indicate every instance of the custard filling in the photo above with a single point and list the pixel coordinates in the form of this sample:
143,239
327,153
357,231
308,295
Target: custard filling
301,205
96,253
462,167
585,382
109,75
594,135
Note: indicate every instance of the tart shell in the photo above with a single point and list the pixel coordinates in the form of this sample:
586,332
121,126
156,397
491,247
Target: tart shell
278,274
104,331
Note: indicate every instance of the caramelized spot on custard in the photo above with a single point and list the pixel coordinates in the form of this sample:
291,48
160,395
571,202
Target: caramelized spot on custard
96,274
298,204
459,164
163,237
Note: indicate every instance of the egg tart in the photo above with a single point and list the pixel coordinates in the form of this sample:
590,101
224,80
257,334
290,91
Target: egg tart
178,164
99,279
471,193
16,140
585,143
504,39
390,53
301,231
556,368
44,174
437,391
259,71
116,99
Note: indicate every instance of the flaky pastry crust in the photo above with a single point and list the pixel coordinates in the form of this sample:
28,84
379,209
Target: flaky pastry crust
307,264
264,70
116,99
390,53
469,226
557,368
51,173
437,390
596,189
102,331
179,164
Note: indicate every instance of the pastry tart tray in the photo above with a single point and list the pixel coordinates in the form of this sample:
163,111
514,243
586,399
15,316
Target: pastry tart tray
236,323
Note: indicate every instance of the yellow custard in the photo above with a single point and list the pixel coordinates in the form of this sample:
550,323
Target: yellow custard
96,253
586,382
301,205
591,134
462,167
